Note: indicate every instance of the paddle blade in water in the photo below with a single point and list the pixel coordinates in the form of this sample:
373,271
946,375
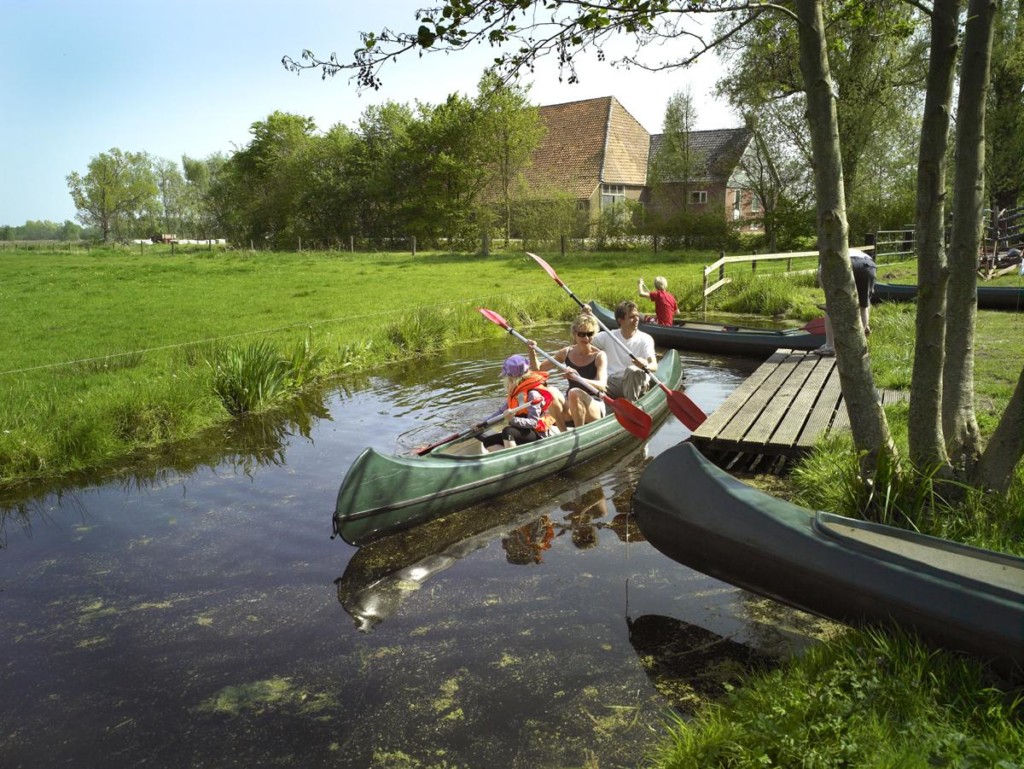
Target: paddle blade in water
685,410
636,421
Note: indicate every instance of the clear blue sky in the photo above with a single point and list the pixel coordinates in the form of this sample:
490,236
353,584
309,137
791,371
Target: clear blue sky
79,77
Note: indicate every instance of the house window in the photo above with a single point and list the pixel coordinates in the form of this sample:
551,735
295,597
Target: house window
755,203
612,194
737,200
699,196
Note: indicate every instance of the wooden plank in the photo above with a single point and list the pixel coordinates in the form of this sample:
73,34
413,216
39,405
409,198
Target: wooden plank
779,409
818,370
822,412
724,413
752,409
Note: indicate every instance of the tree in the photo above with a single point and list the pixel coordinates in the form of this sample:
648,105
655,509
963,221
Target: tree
202,212
677,161
777,173
1005,139
259,189
511,131
876,59
171,184
534,28
118,188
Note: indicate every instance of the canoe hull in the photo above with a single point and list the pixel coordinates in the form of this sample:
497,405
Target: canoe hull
384,493
721,340
854,572
989,297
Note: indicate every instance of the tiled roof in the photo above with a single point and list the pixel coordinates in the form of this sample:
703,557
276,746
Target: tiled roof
715,152
586,143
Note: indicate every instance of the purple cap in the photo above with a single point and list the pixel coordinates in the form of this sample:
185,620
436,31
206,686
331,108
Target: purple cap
515,366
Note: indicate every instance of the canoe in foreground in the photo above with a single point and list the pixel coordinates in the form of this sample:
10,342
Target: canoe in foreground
989,297
953,595
723,340
385,493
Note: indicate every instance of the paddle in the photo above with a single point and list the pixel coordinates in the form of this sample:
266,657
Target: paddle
477,428
632,417
816,326
679,403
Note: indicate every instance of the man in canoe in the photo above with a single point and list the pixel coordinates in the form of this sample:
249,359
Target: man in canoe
625,379
528,407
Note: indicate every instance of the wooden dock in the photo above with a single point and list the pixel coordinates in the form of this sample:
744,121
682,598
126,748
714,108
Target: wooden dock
778,413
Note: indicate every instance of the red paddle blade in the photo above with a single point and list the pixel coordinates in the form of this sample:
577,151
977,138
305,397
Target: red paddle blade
816,326
493,317
547,267
632,417
685,410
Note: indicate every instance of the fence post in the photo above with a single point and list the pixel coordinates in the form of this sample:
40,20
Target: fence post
562,244
704,298
172,248
413,239
721,268
352,243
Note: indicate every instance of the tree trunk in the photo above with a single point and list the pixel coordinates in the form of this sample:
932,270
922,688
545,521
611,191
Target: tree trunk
1006,446
927,446
958,418
867,419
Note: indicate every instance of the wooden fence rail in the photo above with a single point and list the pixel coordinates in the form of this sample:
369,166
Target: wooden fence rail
753,260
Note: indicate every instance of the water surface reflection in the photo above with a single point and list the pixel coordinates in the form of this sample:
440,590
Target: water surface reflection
198,613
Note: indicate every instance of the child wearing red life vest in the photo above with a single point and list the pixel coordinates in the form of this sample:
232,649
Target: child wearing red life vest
526,408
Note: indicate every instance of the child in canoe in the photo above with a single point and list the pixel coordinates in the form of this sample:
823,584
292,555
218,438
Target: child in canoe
528,407
664,303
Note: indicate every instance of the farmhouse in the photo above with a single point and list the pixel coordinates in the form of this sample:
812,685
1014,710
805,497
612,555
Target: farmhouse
600,155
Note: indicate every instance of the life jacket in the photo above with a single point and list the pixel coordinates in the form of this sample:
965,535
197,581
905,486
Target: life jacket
534,380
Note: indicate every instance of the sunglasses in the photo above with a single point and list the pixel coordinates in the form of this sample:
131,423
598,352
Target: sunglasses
584,333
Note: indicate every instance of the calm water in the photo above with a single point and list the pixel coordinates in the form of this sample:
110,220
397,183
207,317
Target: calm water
203,617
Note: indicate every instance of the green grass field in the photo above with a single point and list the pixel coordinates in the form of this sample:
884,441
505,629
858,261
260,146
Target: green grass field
111,350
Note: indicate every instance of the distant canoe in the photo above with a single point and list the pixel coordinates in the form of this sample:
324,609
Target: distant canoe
852,571
721,339
382,494
989,297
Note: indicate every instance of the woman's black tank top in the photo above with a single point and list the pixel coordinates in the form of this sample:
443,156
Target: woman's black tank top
589,371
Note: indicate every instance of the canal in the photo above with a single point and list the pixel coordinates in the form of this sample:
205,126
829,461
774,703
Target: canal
199,614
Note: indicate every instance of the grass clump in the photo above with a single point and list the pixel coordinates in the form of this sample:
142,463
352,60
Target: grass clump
867,699
255,376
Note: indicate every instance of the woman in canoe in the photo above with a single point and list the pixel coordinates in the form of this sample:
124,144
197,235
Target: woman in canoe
588,364
531,406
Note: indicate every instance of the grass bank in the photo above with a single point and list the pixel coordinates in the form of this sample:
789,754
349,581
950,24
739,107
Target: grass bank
108,353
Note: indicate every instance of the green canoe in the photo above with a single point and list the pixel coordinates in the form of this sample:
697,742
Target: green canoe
853,571
383,493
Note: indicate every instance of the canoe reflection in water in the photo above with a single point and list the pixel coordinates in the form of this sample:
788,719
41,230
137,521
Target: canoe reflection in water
689,665
381,575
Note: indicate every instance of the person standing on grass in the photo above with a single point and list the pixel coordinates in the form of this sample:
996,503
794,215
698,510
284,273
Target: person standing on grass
625,379
664,303
864,271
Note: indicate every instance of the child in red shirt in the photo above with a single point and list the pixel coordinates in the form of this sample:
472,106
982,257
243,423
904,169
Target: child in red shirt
664,303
